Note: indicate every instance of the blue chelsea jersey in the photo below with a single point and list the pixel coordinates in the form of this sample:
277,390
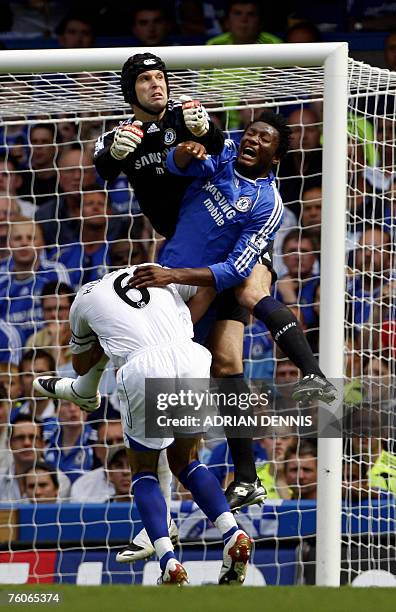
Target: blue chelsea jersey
20,300
225,221
81,267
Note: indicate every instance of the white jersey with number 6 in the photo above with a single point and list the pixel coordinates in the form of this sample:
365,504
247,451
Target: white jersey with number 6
126,320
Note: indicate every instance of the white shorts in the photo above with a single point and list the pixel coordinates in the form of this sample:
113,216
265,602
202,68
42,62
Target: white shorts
184,360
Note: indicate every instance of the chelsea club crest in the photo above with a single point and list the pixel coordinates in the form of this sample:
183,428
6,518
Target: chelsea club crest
243,204
169,136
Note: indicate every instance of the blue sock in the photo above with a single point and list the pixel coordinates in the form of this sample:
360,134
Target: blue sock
205,489
152,509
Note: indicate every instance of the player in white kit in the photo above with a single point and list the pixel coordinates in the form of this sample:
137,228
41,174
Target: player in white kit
147,334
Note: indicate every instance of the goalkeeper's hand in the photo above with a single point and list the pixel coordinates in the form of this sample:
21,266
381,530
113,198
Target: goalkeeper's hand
195,116
126,139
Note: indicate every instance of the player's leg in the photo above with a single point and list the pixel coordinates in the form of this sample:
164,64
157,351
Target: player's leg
254,294
226,345
143,453
82,390
152,508
141,547
207,493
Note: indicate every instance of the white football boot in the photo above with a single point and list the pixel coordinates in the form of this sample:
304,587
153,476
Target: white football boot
174,573
236,556
62,388
141,547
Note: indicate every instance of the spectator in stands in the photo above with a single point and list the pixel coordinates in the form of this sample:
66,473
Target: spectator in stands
285,377
14,135
197,21
301,469
76,31
390,51
303,32
9,211
127,252
30,17
41,484
119,475
26,444
272,472
95,486
371,272
191,21
372,450
10,357
242,24
9,377
35,406
379,384
312,211
150,23
372,15
89,259
26,273
11,180
40,184
59,218
381,176
54,337
5,409
67,130
302,166
298,287
69,448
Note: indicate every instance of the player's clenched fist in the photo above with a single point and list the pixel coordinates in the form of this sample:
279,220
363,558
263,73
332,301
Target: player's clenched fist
126,139
195,116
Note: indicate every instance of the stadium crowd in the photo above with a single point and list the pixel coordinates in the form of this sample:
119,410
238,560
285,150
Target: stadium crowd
62,226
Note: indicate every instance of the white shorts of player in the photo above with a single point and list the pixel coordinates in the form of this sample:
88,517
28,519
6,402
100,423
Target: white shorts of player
180,360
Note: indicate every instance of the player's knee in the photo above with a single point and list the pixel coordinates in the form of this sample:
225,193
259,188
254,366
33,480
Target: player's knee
179,458
226,364
249,296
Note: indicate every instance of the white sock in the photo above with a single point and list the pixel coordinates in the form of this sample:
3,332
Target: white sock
162,546
225,522
165,481
87,385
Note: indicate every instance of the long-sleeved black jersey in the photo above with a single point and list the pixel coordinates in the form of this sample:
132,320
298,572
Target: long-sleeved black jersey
158,192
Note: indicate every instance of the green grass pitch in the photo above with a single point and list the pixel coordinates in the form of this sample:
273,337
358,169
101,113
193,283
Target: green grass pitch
116,598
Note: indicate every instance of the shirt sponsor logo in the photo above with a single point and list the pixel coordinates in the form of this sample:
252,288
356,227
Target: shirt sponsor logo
169,136
243,204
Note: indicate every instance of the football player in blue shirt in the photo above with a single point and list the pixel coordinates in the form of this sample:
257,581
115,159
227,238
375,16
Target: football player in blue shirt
227,222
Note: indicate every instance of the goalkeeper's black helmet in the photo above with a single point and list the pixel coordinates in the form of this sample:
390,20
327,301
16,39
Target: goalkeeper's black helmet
135,65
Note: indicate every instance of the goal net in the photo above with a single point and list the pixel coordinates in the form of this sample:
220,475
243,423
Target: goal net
62,226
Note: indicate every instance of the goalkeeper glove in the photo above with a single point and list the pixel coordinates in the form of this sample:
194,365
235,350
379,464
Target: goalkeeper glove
195,116
126,139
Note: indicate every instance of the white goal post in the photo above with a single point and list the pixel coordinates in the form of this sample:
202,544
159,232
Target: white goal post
333,57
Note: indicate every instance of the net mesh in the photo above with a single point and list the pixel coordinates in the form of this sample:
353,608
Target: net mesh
43,118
